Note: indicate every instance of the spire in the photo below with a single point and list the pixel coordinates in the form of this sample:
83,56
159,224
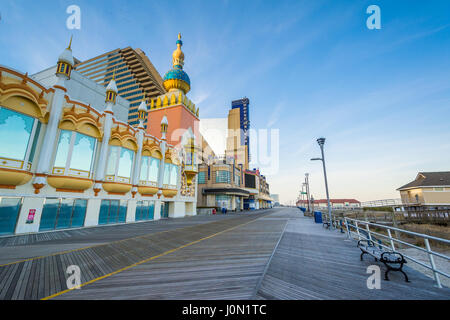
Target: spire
70,43
65,62
111,91
178,55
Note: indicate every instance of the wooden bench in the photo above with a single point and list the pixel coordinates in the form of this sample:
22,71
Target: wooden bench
393,261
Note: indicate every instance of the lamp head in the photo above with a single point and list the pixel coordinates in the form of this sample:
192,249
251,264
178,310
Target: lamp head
315,159
321,141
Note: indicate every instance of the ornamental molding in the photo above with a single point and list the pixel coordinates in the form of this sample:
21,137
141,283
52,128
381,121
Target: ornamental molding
20,93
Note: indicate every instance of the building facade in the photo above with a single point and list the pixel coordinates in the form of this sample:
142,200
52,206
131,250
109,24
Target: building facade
135,76
65,164
238,139
220,185
427,195
343,204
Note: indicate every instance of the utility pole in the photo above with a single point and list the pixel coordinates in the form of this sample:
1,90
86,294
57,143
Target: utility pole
307,191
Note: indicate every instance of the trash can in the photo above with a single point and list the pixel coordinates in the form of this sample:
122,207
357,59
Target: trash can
317,217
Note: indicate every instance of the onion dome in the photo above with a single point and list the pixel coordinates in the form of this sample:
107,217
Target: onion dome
176,78
112,86
65,61
111,90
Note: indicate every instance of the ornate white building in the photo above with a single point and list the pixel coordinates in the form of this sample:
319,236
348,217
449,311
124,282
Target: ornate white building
66,164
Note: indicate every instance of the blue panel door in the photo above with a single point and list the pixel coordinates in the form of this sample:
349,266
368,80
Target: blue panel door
49,214
9,212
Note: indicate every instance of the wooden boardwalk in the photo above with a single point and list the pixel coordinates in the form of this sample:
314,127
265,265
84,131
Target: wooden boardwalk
314,263
272,254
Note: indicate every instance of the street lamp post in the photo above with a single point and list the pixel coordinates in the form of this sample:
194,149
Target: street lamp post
321,142
307,191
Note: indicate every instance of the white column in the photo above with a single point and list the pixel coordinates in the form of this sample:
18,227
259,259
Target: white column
137,163
101,163
157,213
131,211
27,205
50,132
92,212
161,164
177,209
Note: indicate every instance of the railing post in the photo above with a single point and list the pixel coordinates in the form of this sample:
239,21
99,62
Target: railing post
357,230
433,265
390,239
348,229
368,231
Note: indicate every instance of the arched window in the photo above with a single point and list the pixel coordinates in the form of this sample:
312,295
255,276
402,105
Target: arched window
120,164
149,169
74,154
170,174
18,138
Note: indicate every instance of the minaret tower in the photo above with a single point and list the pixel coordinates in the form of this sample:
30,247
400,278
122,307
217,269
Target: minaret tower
63,70
180,112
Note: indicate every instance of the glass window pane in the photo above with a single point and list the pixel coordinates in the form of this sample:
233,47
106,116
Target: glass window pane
173,175
138,215
113,211
144,168
202,177
83,151
104,212
63,148
151,210
122,211
112,159
223,176
49,213
9,211
166,173
125,163
15,132
79,213
65,214
154,169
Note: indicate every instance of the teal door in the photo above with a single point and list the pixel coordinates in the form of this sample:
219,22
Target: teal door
164,210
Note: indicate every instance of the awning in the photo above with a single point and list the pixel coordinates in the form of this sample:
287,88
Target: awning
228,191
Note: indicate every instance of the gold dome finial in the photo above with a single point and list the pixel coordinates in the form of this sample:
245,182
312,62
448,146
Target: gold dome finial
178,55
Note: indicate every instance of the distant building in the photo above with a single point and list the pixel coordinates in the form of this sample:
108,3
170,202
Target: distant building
136,77
430,191
335,203
276,199
238,135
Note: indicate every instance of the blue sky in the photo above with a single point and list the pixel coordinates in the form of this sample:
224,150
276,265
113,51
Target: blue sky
309,68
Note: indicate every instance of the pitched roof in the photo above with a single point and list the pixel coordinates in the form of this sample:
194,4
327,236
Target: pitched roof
429,179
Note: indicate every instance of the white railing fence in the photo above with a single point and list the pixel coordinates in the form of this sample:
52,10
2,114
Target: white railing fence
361,230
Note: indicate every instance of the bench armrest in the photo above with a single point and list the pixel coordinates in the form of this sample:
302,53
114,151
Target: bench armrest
369,243
393,257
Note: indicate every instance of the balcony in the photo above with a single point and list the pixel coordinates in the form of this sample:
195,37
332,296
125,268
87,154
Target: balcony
147,188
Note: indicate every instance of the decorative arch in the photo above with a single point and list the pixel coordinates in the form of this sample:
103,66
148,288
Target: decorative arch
151,149
83,122
123,139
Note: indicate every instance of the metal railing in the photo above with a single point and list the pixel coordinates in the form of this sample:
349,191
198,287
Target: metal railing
361,230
